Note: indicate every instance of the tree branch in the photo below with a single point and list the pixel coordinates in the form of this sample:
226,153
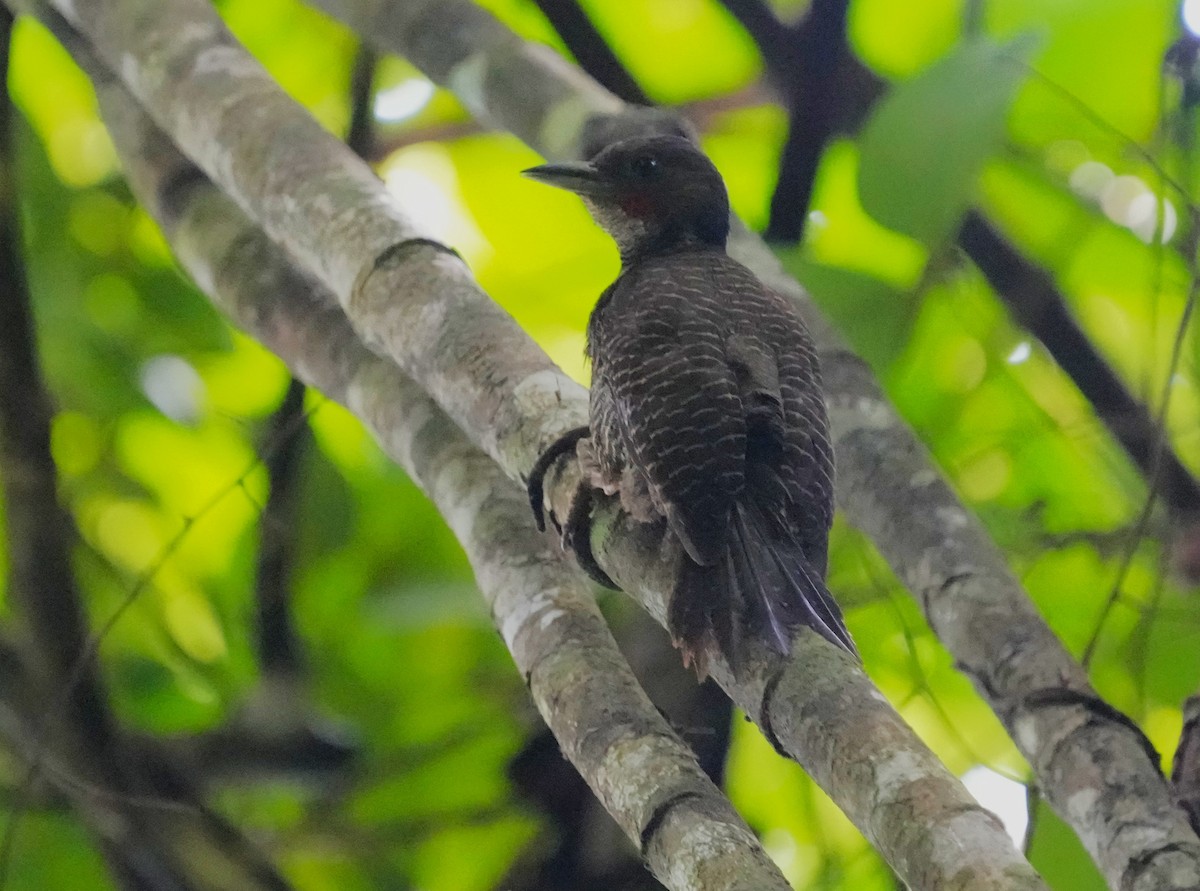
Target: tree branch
590,49
642,772
360,134
415,300
817,50
774,38
889,486
284,444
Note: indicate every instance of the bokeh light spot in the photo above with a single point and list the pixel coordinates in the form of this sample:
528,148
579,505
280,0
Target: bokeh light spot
1020,353
1191,16
173,387
98,222
402,101
1091,178
111,302
987,476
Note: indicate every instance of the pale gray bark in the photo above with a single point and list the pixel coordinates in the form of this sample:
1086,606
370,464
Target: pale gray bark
416,301
1093,767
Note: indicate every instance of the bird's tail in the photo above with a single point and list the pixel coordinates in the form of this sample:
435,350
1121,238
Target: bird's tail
763,586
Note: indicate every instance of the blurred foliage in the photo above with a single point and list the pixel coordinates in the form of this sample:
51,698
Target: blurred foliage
162,409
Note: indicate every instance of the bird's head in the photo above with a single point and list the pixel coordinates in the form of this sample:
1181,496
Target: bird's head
651,194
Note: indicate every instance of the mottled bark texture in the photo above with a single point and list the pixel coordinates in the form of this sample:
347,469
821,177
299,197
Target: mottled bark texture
644,774
415,298
1093,767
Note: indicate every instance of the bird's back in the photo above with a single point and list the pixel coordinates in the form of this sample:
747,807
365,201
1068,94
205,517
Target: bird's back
706,383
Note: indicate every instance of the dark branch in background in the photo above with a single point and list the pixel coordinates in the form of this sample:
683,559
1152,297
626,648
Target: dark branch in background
41,584
284,446
276,732
806,62
591,50
360,134
820,46
1032,297
773,37
152,830
285,443
1027,289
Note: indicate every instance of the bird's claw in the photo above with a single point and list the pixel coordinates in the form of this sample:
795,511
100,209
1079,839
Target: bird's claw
577,536
536,485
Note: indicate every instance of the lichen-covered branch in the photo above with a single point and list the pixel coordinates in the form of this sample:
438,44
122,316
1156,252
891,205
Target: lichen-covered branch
1082,753
643,773
819,708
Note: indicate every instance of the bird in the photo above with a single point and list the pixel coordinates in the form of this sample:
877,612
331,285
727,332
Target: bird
706,409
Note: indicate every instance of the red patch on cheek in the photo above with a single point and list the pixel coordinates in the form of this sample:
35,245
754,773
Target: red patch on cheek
637,205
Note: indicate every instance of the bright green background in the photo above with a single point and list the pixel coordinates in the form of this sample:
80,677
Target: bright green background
401,650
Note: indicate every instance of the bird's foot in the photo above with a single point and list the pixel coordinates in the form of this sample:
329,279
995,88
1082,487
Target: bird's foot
577,535
537,476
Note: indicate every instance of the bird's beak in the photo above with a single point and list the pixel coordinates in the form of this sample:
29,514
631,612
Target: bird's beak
577,177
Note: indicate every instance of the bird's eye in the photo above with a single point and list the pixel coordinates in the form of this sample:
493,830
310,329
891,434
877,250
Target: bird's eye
644,167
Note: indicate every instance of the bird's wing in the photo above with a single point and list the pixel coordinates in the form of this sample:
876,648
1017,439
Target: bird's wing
676,400
808,452
780,380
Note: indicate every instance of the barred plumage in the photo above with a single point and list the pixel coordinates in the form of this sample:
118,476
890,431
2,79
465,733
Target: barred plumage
706,404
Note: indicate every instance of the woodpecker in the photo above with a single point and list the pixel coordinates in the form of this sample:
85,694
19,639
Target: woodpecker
706,408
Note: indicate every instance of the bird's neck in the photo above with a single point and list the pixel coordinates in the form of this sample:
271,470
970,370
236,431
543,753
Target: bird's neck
667,244
640,238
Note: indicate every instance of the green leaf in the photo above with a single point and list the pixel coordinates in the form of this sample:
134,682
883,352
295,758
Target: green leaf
926,143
